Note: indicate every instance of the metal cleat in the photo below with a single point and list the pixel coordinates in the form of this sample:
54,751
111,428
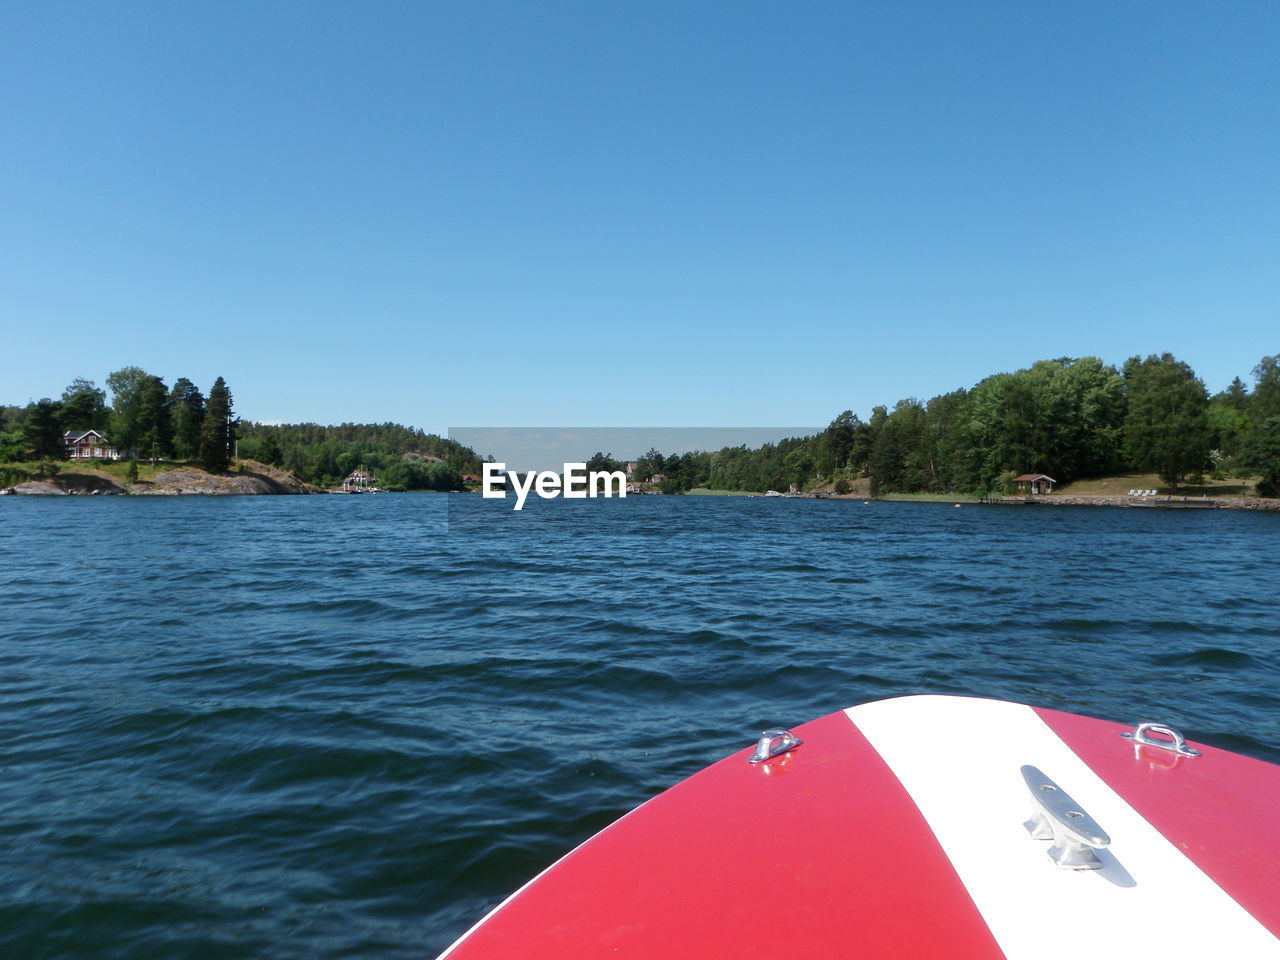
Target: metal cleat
1055,816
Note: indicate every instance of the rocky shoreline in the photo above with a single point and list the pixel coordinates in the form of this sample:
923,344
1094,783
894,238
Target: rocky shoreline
252,479
1162,501
1165,502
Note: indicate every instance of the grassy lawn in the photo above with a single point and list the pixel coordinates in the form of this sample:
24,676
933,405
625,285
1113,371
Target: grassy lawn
111,469
1121,484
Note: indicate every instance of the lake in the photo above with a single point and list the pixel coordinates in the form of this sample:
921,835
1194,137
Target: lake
271,727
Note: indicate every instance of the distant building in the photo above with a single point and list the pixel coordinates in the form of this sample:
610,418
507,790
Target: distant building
657,478
358,482
88,445
631,469
1034,483
470,478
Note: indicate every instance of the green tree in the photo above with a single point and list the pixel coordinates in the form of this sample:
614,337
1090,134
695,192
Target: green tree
1236,394
604,462
1266,391
896,463
1063,417
799,466
42,431
836,443
218,432
187,409
84,406
649,464
1262,453
156,438
11,443
269,451
127,386
1229,418
1167,429
945,443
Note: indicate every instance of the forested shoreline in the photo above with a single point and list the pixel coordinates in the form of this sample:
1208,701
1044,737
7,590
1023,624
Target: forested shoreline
145,420
1071,418
402,458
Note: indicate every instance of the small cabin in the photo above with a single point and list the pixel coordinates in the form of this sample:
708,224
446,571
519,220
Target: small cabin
657,478
1034,483
470,478
358,482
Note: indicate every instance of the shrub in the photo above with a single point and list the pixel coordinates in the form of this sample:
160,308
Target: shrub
1005,484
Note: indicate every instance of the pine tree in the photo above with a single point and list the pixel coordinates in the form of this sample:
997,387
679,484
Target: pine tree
42,432
217,433
188,416
269,451
154,417
84,406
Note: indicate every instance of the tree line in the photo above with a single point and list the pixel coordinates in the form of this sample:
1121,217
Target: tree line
145,419
1070,418
401,458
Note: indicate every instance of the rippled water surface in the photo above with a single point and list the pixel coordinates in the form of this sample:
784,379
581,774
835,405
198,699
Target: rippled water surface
276,727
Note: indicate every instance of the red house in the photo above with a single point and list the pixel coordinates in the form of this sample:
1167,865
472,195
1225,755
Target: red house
88,445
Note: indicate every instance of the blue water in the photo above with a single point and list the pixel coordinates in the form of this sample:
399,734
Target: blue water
273,727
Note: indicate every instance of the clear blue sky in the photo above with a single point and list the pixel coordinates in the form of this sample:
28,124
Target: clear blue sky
550,448
615,214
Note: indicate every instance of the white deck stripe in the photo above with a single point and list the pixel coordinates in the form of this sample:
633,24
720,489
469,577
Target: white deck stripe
959,759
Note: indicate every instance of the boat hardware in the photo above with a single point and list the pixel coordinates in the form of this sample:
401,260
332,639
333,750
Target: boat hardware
772,743
1175,742
1055,816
